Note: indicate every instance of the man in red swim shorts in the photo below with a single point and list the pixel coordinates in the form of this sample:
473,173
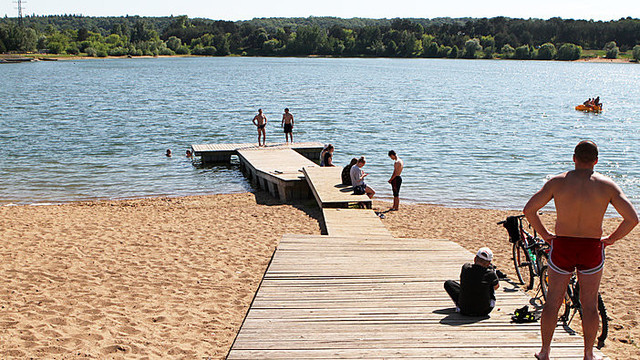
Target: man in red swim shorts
581,197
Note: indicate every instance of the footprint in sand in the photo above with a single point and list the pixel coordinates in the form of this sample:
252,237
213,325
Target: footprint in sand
115,349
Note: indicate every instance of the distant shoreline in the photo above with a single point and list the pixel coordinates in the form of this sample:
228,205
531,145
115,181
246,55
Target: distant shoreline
596,59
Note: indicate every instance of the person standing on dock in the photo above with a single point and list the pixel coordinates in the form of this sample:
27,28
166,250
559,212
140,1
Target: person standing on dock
260,121
581,197
396,179
287,123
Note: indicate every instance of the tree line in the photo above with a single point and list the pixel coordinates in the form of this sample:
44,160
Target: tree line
498,37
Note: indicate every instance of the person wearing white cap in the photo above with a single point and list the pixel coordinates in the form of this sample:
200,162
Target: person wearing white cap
474,295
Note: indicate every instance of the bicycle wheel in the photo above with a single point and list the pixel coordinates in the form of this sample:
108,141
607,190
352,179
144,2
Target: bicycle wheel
567,304
544,281
522,264
542,260
603,331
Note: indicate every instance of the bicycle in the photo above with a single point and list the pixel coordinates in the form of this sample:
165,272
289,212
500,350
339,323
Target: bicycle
572,305
530,253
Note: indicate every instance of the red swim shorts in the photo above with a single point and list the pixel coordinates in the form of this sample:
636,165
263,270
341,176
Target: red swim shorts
570,253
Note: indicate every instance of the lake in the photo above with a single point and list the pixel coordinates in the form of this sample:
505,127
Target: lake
472,133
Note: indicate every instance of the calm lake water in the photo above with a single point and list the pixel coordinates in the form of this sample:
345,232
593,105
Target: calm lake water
472,133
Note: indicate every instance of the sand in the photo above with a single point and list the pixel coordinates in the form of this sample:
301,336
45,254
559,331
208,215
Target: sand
174,277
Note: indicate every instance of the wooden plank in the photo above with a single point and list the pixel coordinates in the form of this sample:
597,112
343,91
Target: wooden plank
379,297
280,163
353,222
326,184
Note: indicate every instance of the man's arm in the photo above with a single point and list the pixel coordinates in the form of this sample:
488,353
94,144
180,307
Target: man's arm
537,201
255,119
396,171
282,124
629,217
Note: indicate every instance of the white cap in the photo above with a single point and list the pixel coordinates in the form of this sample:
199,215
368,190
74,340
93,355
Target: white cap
485,254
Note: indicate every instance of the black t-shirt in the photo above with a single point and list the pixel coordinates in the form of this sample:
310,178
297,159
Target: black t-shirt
346,175
476,289
327,156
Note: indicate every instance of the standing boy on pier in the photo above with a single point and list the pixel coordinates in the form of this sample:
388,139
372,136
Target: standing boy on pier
396,179
581,197
260,121
287,123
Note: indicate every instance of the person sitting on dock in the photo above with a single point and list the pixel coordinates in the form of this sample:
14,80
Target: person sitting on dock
260,121
346,172
324,149
357,179
474,295
287,123
327,158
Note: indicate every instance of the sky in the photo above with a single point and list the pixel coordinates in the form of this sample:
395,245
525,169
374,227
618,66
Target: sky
248,9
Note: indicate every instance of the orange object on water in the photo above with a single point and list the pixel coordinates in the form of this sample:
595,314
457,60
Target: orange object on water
589,108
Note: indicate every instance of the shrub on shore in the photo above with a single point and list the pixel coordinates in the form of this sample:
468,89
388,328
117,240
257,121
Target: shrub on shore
636,53
569,51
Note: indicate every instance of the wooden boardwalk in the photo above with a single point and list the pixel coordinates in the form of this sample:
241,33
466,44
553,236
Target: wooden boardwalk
277,170
327,188
353,222
370,297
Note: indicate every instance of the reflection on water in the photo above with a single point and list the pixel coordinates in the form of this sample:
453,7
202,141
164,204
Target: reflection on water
471,133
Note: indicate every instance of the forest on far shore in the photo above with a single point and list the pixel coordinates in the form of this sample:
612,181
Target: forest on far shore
470,38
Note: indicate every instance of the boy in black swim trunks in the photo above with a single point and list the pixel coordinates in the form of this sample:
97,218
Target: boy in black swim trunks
396,179
260,121
287,123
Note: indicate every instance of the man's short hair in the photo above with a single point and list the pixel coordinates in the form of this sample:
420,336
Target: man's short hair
586,151
391,152
286,109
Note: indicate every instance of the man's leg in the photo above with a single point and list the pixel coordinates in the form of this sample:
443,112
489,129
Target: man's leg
453,289
549,319
396,203
259,135
589,285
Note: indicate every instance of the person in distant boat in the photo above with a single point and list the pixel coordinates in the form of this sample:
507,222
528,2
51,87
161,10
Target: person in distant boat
596,102
346,172
260,121
396,179
474,295
287,123
587,103
168,153
327,158
357,179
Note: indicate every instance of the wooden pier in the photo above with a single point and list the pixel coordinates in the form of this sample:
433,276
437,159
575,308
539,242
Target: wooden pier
358,292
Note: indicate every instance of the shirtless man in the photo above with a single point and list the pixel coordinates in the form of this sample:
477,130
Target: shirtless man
260,121
396,179
287,123
581,197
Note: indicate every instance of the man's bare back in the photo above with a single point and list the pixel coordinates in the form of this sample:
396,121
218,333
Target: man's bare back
581,197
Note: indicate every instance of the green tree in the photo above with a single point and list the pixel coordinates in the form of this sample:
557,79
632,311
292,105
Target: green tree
636,52
453,54
612,50
507,51
569,51
174,43
546,52
471,48
522,53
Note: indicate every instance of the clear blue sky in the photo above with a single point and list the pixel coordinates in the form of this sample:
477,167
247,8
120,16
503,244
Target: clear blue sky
248,9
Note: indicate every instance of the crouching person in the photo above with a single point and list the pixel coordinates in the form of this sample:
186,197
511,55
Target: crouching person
475,294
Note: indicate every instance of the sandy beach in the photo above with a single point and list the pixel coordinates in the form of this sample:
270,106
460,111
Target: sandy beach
174,277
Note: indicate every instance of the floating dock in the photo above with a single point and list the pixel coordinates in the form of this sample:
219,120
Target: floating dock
221,153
